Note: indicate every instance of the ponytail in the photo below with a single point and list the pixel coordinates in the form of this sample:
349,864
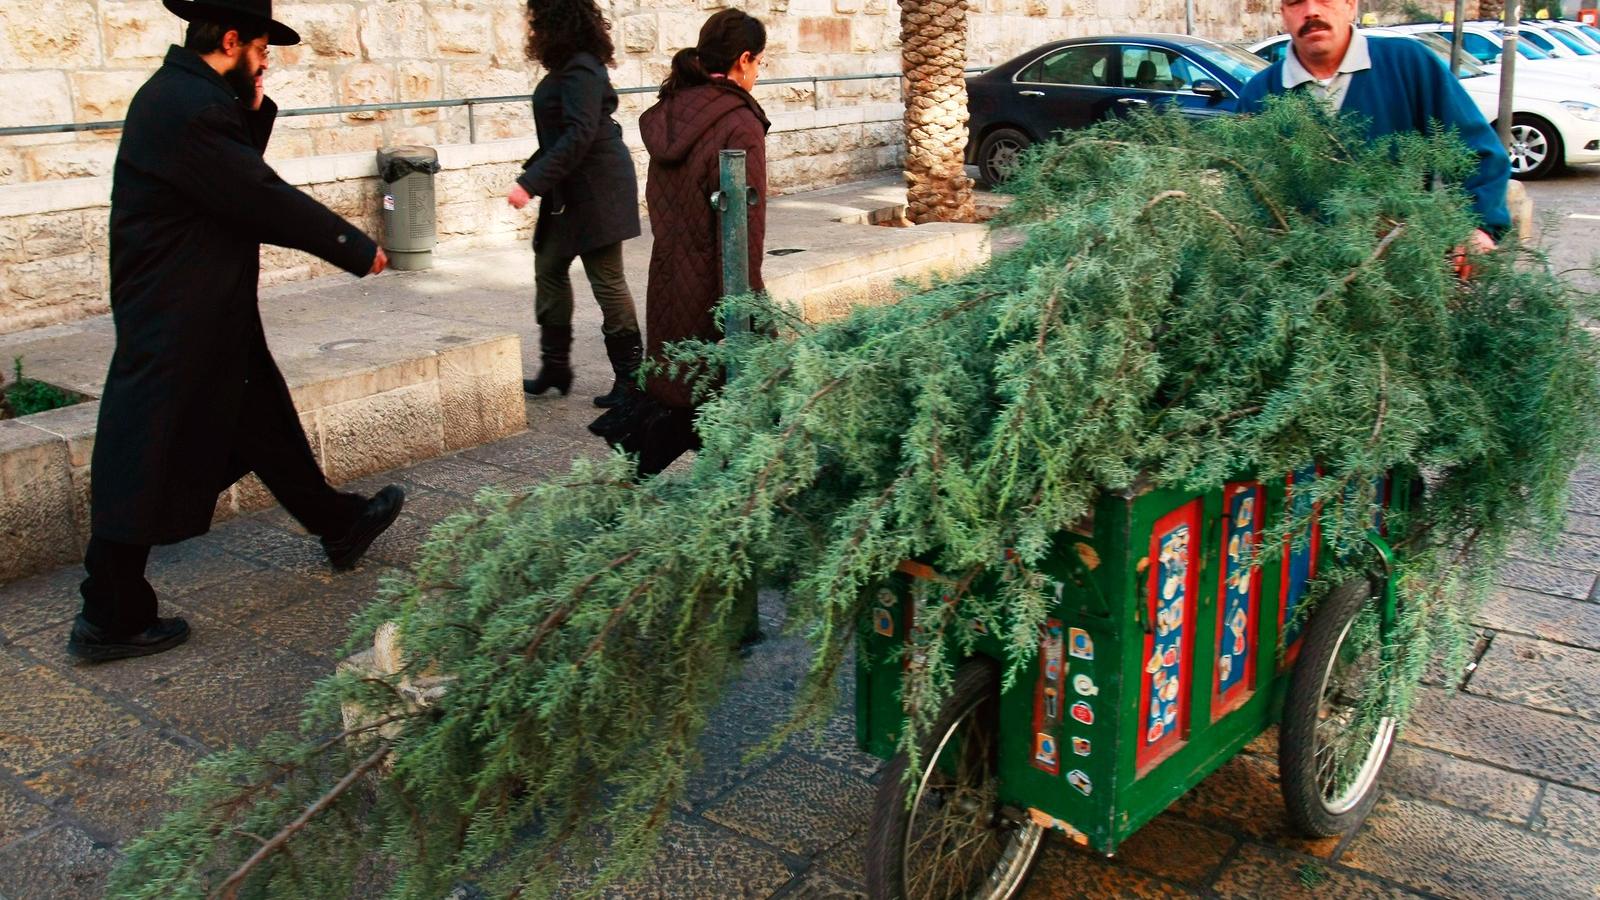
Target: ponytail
687,72
724,38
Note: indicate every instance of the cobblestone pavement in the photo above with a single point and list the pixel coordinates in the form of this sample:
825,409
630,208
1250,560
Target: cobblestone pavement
1494,791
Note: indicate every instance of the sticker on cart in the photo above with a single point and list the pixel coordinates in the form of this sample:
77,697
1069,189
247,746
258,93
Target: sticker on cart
1052,704
1052,669
1081,746
1080,645
1156,731
1084,685
388,202
1171,589
1078,779
1083,712
1153,667
887,599
883,622
1044,750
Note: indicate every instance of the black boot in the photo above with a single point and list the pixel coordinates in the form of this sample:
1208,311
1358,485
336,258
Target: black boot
555,361
626,352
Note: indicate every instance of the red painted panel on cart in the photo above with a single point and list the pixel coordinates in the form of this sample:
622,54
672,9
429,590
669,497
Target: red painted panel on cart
1238,597
1174,574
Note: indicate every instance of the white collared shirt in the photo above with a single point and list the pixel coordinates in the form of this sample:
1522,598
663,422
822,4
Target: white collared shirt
1332,91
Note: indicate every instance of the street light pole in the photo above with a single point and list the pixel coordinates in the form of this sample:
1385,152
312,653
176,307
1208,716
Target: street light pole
1455,38
1508,64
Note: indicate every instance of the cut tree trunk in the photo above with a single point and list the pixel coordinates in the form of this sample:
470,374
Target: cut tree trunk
933,36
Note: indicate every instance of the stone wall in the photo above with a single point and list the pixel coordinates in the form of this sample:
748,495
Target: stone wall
81,60
53,264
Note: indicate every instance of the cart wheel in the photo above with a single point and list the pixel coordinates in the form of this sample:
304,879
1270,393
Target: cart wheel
1337,728
952,842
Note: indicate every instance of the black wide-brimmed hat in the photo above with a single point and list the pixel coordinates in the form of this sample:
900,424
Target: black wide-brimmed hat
234,11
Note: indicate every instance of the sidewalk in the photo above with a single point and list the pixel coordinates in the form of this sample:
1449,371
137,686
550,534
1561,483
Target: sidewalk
1493,793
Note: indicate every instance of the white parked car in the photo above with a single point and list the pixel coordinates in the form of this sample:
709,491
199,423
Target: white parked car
1555,119
1485,42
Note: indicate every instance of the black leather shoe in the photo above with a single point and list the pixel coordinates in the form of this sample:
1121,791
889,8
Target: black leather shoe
380,513
550,376
91,643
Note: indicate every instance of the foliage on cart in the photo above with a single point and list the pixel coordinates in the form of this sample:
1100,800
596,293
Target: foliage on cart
1193,301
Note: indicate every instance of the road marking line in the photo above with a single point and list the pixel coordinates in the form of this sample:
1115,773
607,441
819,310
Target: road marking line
1587,216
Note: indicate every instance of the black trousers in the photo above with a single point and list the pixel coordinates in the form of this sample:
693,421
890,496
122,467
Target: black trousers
271,443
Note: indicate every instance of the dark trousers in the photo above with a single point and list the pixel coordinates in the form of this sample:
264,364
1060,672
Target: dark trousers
271,443
552,289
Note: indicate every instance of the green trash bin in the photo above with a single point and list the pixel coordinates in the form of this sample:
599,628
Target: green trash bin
409,232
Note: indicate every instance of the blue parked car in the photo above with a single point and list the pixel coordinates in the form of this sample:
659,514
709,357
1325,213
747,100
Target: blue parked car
1078,82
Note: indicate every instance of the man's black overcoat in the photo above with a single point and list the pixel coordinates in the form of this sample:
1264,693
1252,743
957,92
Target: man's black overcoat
191,203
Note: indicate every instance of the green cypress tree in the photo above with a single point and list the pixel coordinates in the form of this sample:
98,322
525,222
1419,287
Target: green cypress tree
1192,301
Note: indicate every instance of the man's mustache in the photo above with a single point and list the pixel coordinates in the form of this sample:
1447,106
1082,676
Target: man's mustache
1313,25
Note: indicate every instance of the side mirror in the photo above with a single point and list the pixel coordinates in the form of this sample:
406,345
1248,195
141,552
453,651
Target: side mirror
1208,89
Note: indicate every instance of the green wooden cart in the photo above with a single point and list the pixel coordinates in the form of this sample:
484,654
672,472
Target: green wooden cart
1168,647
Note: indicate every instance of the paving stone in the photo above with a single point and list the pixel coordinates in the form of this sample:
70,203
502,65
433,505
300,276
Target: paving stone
1553,618
1466,785
530,453
1265,743
276,548
1547,579
121,787
746,717
238,697
44,601
1571,815
697,862
1258,873
816,885
131,678
1242,797
320,625
45,717
204,562
62,863
1068,872
1546,745
19,813
1567,551
797,805
1540,674
1456,855
457,474
1584,495
1175,849
847,860
1584,524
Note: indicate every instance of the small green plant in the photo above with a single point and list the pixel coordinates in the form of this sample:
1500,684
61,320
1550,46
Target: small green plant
1311,876
25,396
1414,13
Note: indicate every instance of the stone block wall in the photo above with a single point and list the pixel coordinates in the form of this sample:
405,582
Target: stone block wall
53,248
81,61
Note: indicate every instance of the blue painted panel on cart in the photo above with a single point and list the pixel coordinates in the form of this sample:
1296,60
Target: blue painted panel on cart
1236,647
1302,558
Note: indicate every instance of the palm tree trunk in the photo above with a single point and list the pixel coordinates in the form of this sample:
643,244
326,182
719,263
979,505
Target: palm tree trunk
933,37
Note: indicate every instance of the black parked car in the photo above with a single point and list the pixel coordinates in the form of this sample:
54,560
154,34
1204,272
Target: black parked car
1075,83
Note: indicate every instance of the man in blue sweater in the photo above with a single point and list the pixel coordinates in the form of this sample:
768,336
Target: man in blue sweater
1396,84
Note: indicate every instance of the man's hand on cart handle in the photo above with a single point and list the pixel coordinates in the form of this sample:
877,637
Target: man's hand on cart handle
1481,242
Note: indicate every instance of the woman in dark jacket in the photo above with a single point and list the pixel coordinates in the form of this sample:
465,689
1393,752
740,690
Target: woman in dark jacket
705,107
589,197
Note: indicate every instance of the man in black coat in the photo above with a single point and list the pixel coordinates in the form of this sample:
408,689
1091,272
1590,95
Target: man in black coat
193,399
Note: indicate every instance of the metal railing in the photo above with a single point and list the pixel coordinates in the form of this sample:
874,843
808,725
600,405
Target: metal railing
471,103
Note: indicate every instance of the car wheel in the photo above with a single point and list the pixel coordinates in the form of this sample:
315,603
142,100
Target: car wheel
999,155
1535,147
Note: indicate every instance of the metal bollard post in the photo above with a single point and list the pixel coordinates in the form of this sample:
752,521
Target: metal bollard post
735,220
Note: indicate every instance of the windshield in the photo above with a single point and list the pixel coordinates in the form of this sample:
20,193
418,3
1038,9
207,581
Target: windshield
1232,60
1440,45
1572,43
1525,48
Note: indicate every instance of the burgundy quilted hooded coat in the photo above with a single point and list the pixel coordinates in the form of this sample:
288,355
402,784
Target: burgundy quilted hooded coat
684,133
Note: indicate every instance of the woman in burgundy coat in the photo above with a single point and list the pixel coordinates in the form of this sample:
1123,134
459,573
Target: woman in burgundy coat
705,107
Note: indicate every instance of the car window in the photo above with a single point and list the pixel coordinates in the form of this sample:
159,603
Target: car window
1591,31
1479,47
1526,48
1158,69
1089,65
1572,43
1537,38
1274,52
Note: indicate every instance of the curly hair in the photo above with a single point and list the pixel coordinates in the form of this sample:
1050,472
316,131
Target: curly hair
559,29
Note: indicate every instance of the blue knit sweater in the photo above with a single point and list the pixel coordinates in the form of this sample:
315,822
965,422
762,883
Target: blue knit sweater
1409,89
